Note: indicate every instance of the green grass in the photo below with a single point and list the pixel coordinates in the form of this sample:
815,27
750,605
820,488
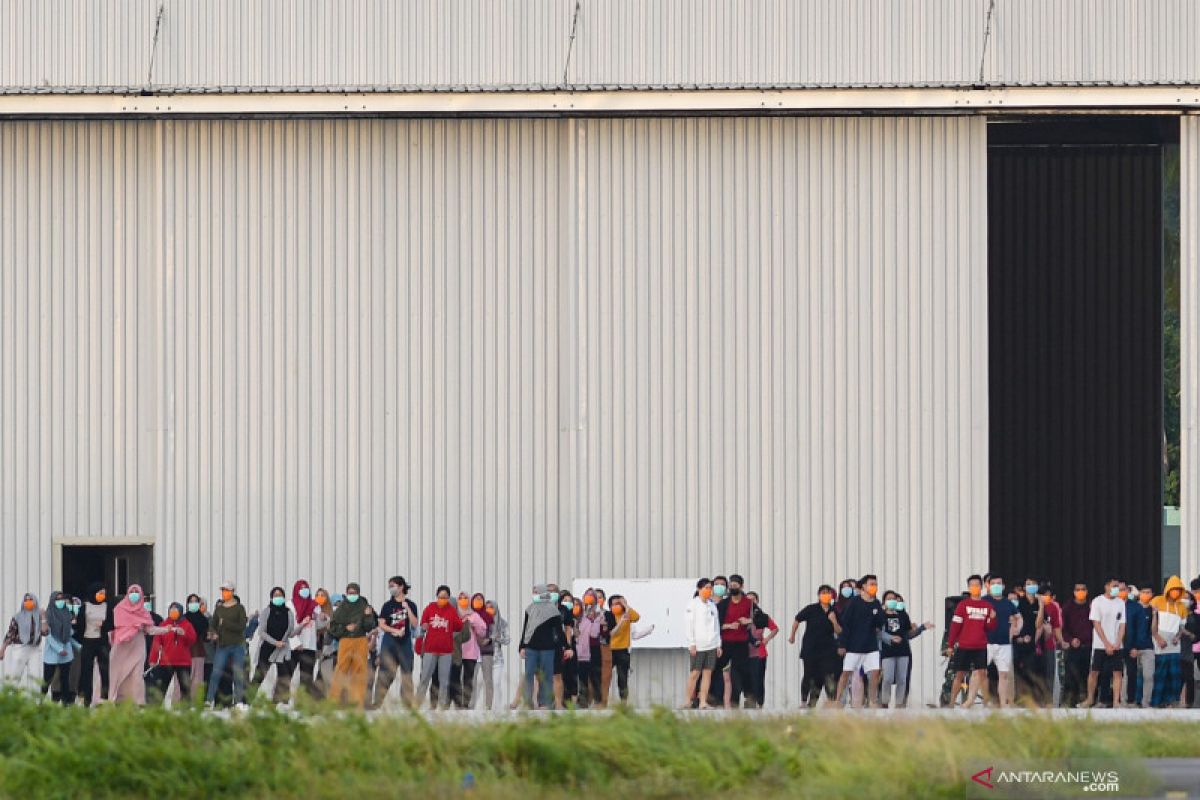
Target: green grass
48,751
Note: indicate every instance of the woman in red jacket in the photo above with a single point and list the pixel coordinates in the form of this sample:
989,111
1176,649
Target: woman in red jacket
171,653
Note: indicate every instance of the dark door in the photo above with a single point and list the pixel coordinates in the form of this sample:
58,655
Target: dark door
117,567
1075,352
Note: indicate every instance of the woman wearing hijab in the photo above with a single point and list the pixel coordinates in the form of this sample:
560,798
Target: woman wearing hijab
487,651
278,624
127,659
19,652
171,653
306,629
326,644
350,624
195,617
541,637
58,653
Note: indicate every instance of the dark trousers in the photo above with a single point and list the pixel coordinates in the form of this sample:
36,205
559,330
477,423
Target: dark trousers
759,667
1078,664
306,662
283,673
1131,674
1027,671
741,672
62,693
466,682
160,679
820,672
94,651
620,662
1187,670
393,657
570,678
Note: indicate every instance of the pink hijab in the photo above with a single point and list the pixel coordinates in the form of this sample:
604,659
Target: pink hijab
129,618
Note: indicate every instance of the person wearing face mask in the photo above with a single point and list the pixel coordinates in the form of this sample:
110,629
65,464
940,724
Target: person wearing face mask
858,643
439,623
762,630
171,654
735,613
555,600
1187,643
486,668
92,626
227,628
305,606
57,654
895,652
132,623
193,613
621,620
569,683
1050,642
350,624
278,626
703,632
326,644
1000,651
604,647
1077,638
1139,663
591,621
75,604
20,651
1027,668
966,643
818,648
499,638
720,688
462,673
1166,630
397,619
1107,615
541,637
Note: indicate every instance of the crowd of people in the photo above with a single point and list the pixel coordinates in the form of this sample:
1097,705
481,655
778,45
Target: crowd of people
1004,645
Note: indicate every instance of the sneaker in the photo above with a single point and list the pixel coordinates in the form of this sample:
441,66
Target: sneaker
242,707
1085,704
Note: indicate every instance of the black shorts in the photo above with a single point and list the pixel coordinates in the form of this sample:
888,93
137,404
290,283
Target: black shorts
1103,662
969,660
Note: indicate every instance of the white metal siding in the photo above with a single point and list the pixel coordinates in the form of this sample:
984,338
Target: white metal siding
488,352
1189,355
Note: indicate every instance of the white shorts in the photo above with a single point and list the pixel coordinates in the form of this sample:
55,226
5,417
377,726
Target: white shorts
868,662
1001,656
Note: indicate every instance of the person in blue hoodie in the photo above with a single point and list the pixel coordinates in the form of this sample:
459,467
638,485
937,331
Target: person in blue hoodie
1138,646
858,644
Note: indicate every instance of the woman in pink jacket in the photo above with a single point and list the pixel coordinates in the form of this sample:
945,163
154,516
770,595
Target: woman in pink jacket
473,632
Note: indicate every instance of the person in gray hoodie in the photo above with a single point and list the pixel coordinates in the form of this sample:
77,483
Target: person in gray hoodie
277,624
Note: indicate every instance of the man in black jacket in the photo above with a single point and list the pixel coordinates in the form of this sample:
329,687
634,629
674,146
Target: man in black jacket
859,642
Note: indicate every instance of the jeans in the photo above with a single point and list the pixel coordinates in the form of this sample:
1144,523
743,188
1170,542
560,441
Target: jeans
393,657
895,674
232,656
539,661
1143,683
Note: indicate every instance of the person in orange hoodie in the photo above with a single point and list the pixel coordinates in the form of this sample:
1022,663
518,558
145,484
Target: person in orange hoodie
1166,629
171,653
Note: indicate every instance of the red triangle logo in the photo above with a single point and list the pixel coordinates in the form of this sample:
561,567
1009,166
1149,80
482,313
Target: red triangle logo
984,778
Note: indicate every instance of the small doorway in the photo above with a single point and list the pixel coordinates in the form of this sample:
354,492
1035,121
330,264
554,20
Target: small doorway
115,566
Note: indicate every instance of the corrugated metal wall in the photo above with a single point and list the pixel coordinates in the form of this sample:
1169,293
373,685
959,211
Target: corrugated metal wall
1189,357
491,351
216,45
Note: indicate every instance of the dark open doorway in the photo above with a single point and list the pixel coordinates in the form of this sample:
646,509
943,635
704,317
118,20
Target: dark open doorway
117,567
1075,320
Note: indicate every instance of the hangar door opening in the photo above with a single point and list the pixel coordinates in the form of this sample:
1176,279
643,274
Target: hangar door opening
1075,368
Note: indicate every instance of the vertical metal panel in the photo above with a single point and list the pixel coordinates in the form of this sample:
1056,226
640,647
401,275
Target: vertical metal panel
1093,41
315,43
1075,315
781,361
1189,356
75,43
625,42
486,352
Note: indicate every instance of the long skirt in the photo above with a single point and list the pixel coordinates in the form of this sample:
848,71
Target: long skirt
126,664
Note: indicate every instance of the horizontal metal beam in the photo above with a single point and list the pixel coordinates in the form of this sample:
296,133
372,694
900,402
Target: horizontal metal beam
615,102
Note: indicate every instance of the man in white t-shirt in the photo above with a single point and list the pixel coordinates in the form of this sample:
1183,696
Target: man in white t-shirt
1108,633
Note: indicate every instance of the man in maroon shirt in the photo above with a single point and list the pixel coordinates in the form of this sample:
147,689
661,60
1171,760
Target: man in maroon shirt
973,618
736,615
1077,641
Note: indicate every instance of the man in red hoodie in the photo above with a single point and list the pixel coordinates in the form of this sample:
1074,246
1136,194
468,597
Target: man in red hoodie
973,618
439,623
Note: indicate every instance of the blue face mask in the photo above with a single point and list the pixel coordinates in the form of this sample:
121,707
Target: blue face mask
847,592
1031,589
891,604
134,597
719,590
900,605
996,589
351,598
568,605
60,603
193,608
277,601
304,592
554,597
537,598
1114,591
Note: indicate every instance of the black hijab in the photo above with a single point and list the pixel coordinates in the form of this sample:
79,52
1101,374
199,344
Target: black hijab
277,618
198,621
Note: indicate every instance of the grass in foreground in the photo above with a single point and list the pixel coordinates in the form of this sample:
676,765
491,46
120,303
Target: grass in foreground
48,751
